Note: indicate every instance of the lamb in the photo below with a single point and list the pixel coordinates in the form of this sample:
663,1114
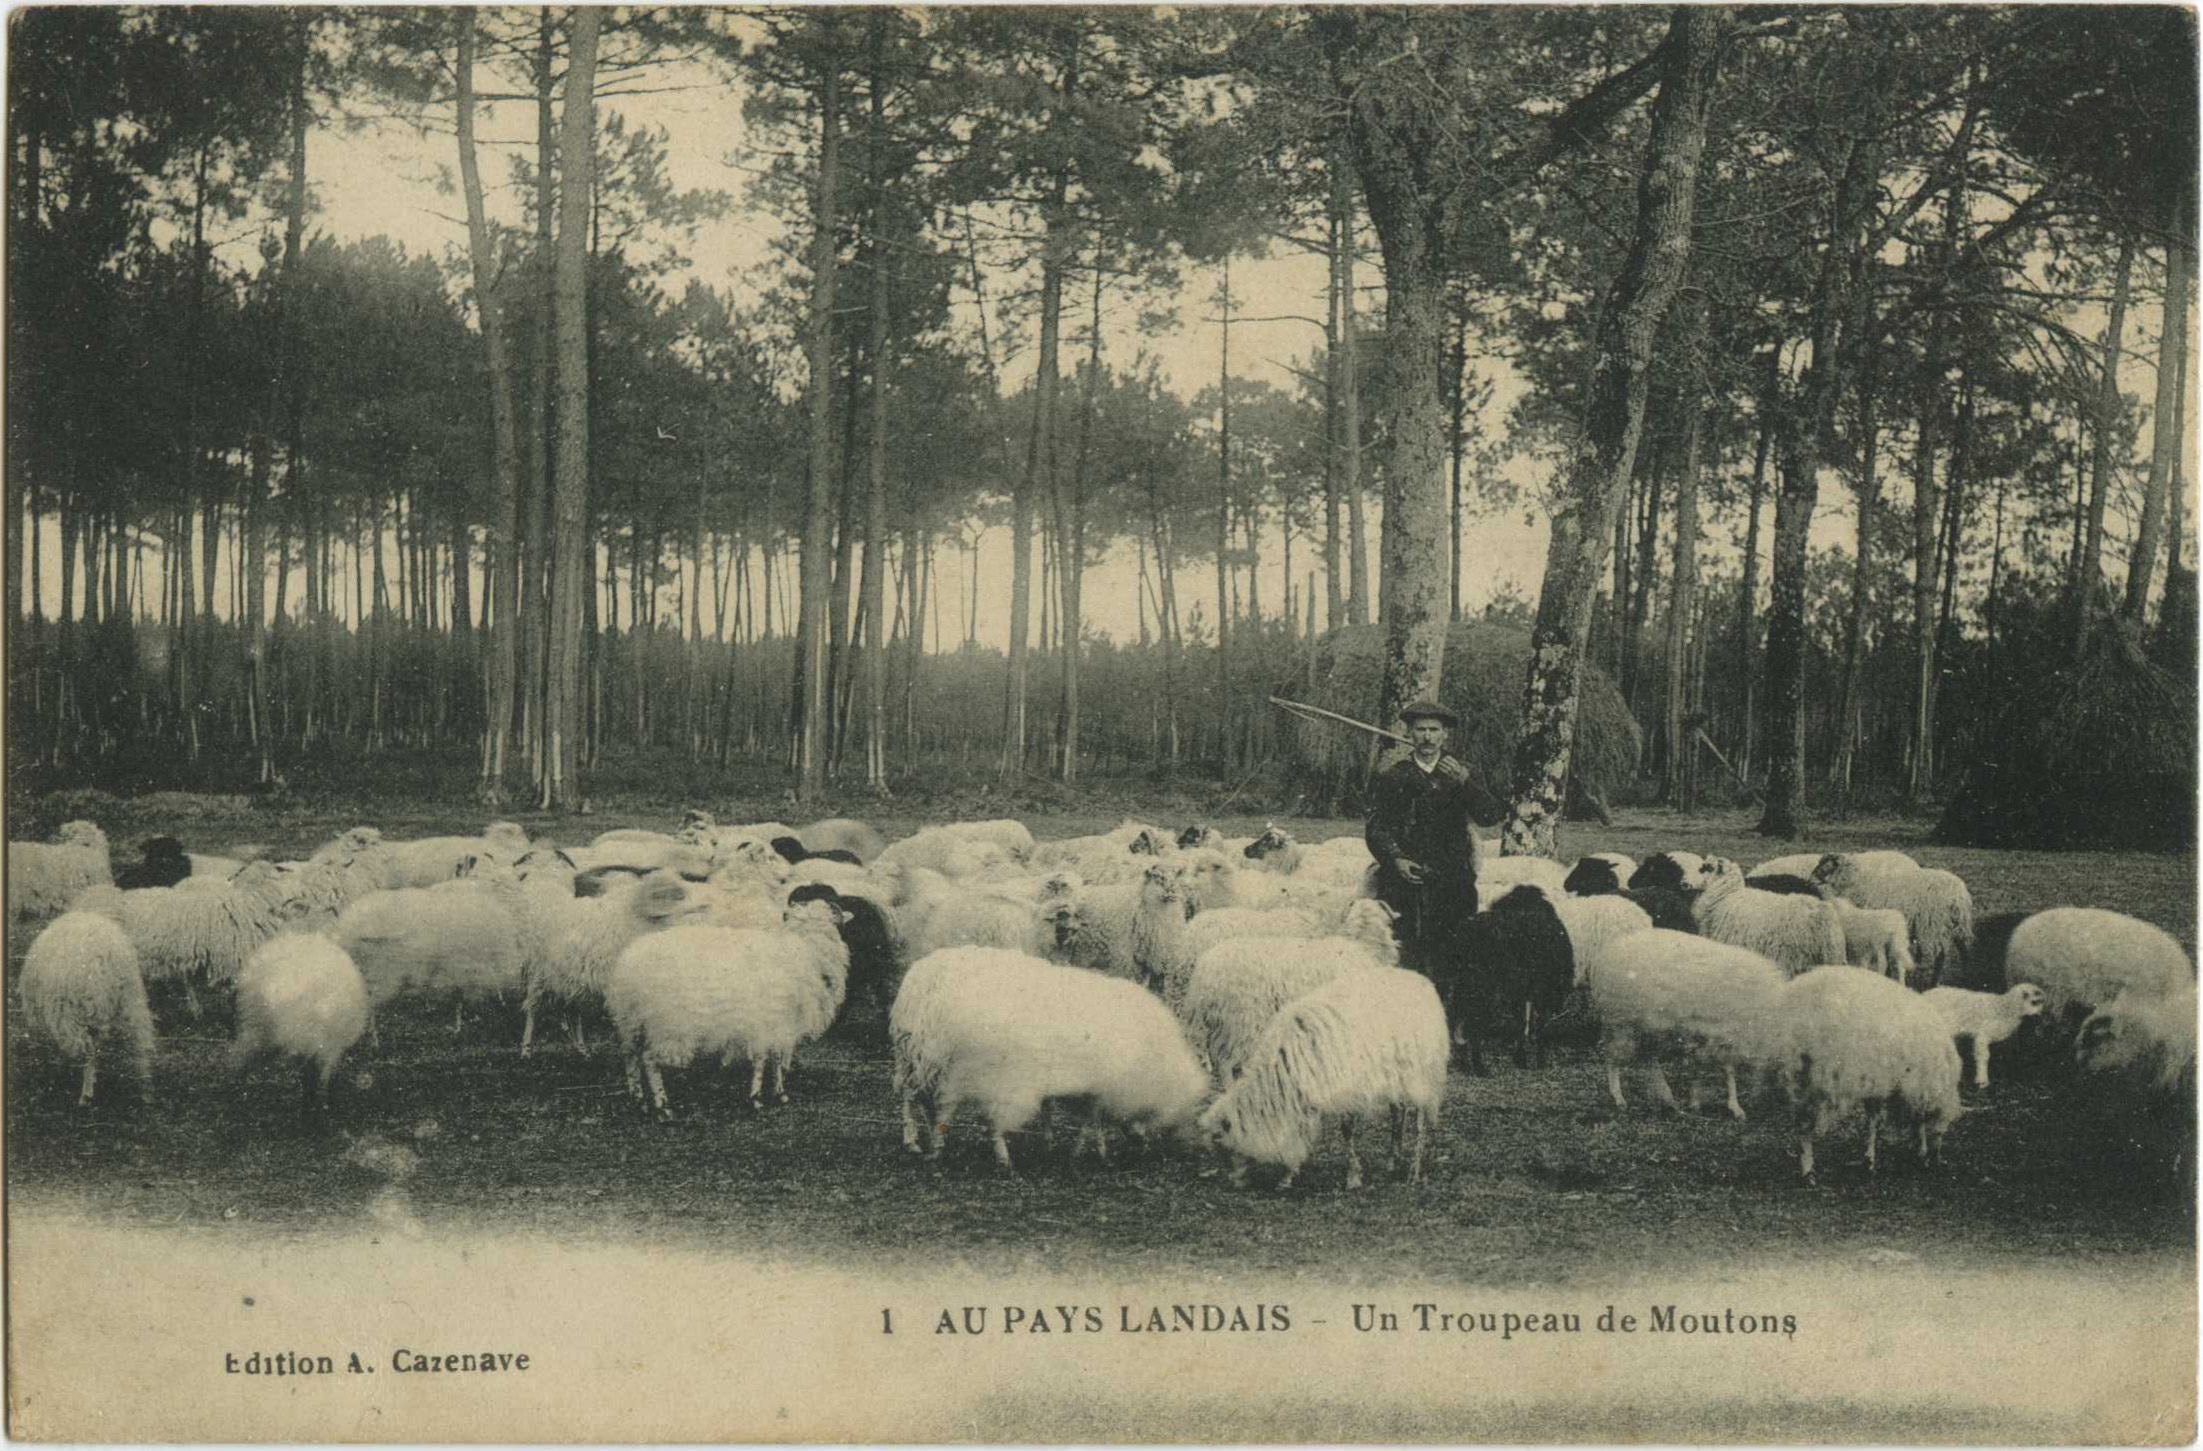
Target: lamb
1798,933
1678,871
165,864
1237,985
840,833
2085,957
1009,1033
1875,937
1854,1039
206,936
44,877
300,998
740,995
1985,1018
583,940
1130,931
1362,1043
1939,910
82,991
1664,995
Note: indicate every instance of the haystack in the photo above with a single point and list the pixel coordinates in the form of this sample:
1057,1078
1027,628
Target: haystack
1486,666
2101,754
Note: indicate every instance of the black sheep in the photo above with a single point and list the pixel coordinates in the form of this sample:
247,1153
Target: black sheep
1662,869
165,865
875,957
1786,885
1593,877
791,850
1517,969
1666,908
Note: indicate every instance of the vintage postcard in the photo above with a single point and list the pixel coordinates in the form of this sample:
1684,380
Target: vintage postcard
1088,724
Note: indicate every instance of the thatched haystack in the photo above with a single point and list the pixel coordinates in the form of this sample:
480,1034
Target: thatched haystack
1486,665
2101,755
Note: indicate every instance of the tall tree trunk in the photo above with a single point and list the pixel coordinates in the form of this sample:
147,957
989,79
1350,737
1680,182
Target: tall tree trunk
1224,528
1869,494
1598,476
1683,587
501,548
811,754
1801,437
1644,575
1747,600
2106,430
295,487
1334,442
2166,441
536,485
875,520
1457,392
1350,398
1074,544
569,543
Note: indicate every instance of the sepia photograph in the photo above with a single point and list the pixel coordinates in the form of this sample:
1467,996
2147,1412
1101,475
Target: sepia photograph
1101,724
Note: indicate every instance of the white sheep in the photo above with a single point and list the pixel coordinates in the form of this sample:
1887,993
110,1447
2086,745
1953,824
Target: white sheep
1131,930
432,859
1593,923
1364,1043
300,998
1206,879
1796,864
2083,957
1217,925
44,877
1274,850
1985,1018
1008,1033
1237,985
82,991
196,936
935,913
1797,933
1666,995
1854,1039
755,996
1497,875
418,941
1938,908
840,833
583,939
2143,1045
1876,937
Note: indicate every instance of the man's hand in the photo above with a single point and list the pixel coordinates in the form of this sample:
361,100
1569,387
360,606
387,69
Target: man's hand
1410,872
1452,771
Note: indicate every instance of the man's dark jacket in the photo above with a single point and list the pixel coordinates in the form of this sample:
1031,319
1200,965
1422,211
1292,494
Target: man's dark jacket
1425,815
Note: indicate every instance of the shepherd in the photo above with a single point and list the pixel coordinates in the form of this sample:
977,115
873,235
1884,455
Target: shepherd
1423,811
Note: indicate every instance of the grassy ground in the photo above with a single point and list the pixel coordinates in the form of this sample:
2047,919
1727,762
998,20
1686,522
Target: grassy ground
1535,1178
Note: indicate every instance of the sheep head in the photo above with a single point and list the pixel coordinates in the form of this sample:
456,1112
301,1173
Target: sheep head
661,898
2028,998
1162,886
1273,840
1199,835
82,833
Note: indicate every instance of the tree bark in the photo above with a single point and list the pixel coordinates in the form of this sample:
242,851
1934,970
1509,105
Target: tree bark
1747,601
1334,550
569,542
875,521
811,751
1599,472
2166,441
1682,592
536,485
1869,496
2106,427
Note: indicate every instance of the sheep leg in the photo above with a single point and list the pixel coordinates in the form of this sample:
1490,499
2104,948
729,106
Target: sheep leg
1805,1156
1399,1134
757,1083
458,1016
191,1001
1002,1151
1873,1130
1662,1091
781,1063
1353,1158
1736,1109
91,1077
1981,1062
527,1020
1614,1085
657,1087
910,1125
1422,1138
634,1066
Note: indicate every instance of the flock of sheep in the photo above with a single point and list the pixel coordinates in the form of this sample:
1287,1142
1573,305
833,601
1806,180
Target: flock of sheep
1245,993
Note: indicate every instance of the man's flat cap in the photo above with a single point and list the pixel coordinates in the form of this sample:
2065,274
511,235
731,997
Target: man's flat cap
1430,710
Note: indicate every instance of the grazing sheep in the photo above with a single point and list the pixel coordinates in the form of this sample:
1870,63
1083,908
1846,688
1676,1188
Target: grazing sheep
1274,850
196,936
300,998
1664,996
1677,871
1009,1033
418,941
44,877
2139,1054
1364,1043
841,833
1216,925
1875,937
1854,1039
1128,930
583,940
1514,973
2084,957
1938,908
433,859
1496,876
1798,933
1985,1018
755,996
164,864
1238,984
82,991
936,913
